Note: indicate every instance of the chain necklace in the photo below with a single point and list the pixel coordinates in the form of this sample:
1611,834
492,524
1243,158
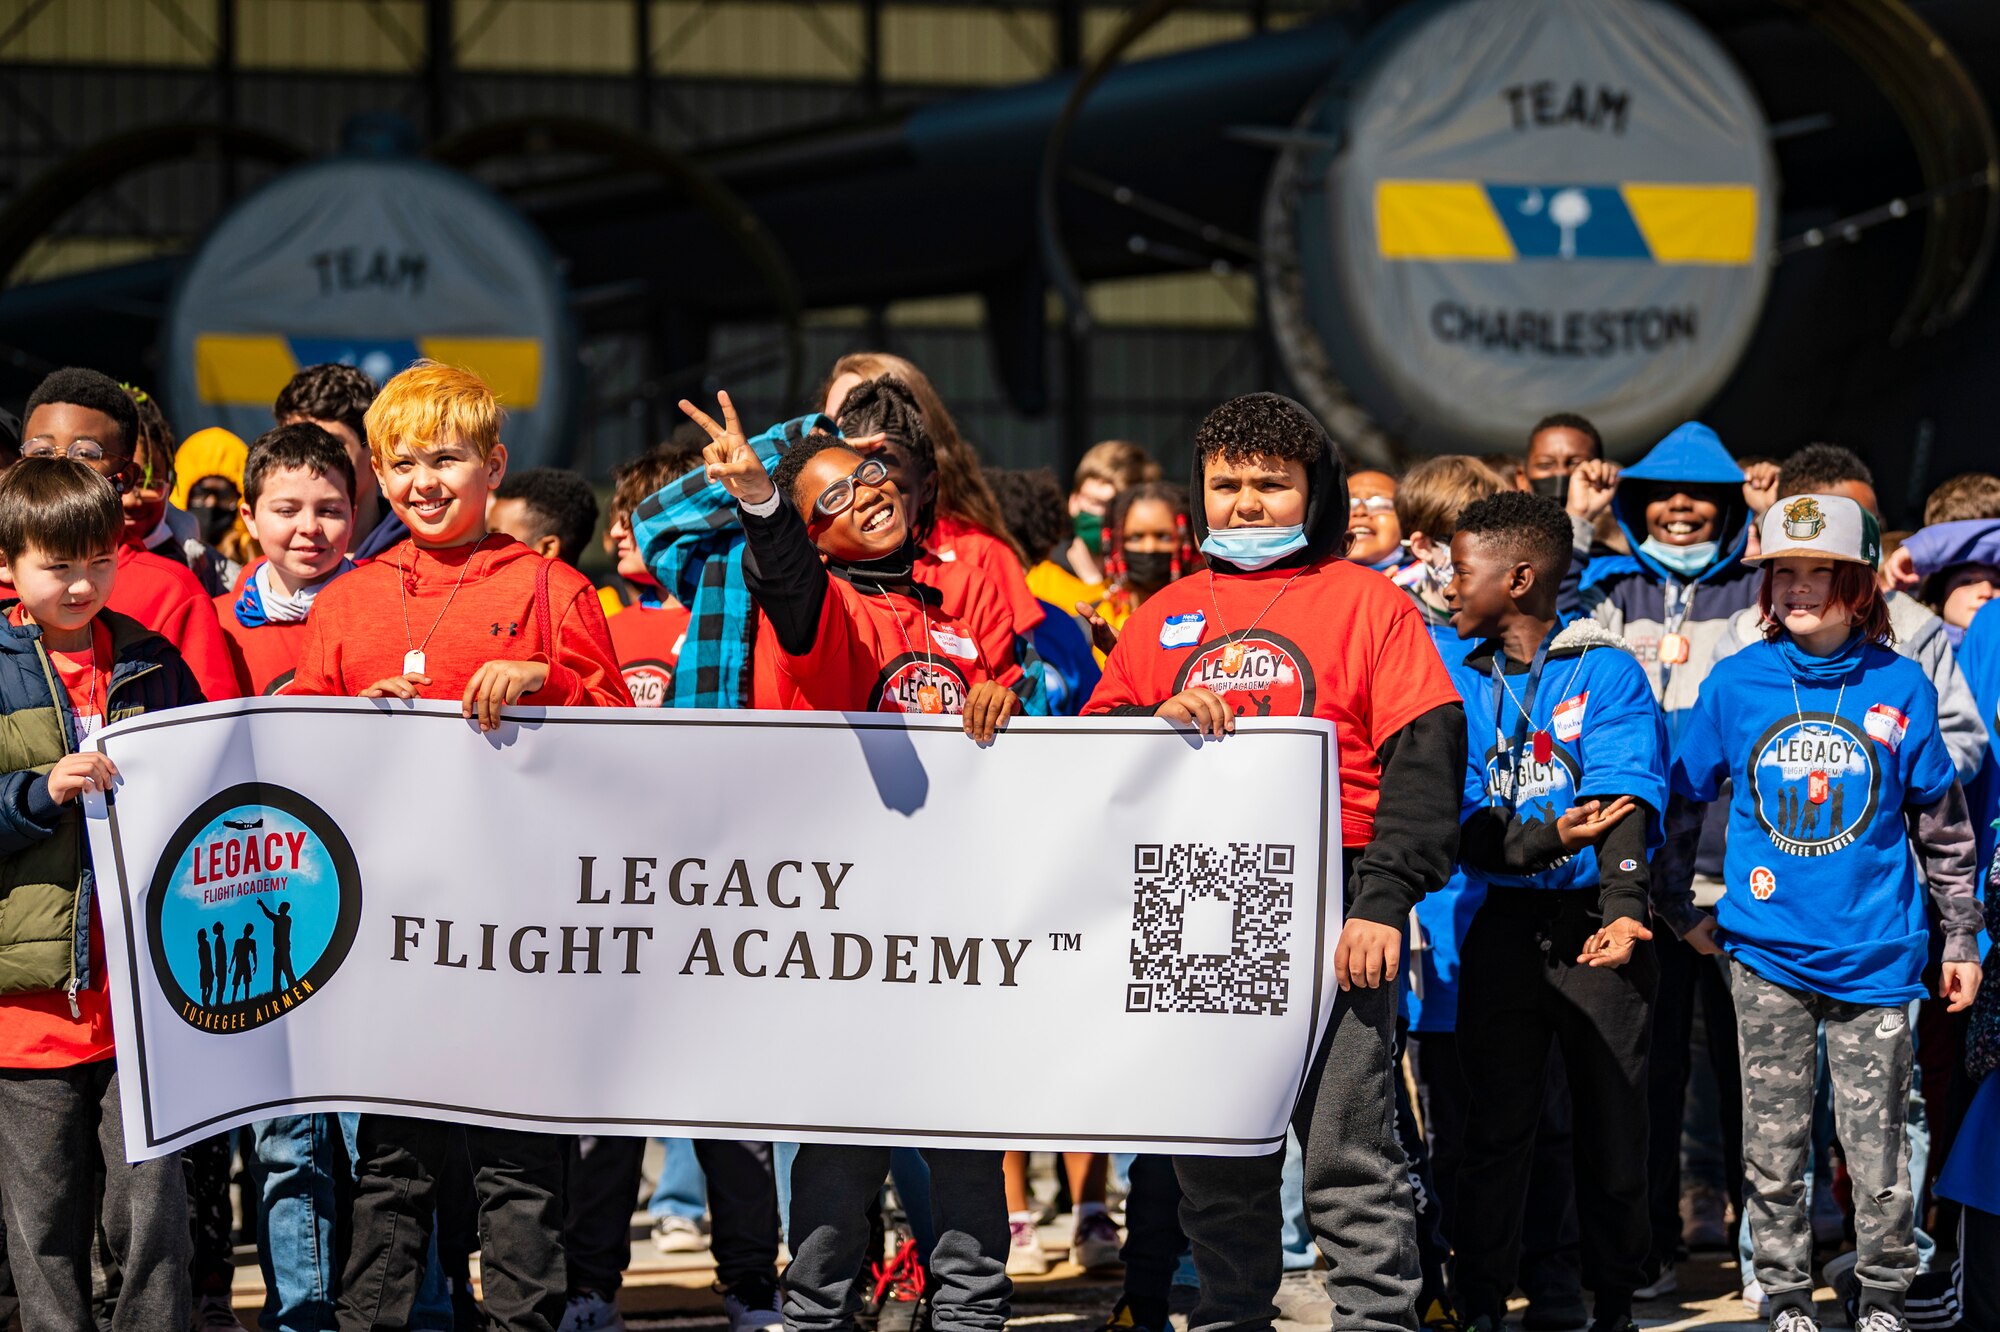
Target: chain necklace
930,697
414,660
1798,708
1232,653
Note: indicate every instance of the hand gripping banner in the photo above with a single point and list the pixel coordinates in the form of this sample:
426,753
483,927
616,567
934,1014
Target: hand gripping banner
592,921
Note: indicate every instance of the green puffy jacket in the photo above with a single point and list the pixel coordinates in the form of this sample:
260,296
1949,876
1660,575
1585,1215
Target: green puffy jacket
45,876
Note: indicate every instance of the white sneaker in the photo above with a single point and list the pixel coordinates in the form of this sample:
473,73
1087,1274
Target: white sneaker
1024,1249
587,1311
1666,1283
1096,1244
1880,1320
1754,1298
1795,1320
678,1234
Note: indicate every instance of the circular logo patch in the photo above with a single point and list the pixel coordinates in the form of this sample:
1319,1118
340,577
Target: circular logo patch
1763,883
651,683
1256,672
1814,783
253,908
913,681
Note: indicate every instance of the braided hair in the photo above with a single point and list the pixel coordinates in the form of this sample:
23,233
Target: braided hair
1186,558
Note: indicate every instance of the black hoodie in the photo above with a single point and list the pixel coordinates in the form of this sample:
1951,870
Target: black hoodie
1326,498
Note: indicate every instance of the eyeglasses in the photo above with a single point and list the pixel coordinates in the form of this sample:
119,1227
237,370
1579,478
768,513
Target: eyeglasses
838,498
1373,504
82,450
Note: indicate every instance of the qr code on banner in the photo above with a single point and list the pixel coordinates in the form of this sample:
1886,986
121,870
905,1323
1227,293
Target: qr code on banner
1211,928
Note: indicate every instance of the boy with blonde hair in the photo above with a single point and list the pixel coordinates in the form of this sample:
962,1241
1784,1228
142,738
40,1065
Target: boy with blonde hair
455,612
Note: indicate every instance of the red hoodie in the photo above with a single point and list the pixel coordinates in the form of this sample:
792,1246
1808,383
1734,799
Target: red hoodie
463,606
971,596
956,541
168,599
264,655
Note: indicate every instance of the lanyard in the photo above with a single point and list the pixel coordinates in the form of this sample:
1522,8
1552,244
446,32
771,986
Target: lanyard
1510,738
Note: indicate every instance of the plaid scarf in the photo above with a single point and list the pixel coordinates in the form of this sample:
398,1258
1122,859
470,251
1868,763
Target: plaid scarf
691,538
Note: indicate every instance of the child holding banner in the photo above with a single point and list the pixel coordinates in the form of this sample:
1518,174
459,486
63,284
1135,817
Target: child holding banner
1824,918
455,612
60,1121
298,502
1279,624
847,628
1563,793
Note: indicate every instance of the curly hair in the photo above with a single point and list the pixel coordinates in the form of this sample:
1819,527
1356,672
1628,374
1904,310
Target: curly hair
328,391
92,389
1524,526
1186,558
1259,425
1031,501
785,476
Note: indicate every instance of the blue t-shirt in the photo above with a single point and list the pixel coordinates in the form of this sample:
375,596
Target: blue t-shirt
1607,738
1445,914
1969,1177
1822,892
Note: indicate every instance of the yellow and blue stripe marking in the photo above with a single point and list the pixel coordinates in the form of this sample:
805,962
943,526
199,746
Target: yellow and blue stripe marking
1473,222
246,369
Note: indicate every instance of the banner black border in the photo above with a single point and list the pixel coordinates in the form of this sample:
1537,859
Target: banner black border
748,719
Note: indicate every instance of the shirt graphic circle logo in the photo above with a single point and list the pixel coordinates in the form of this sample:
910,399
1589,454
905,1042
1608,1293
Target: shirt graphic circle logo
1814,782
253,907
1763,883
651,683
1256,672
908,678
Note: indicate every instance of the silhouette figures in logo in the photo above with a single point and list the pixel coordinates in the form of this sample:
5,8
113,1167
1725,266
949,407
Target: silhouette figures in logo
207,964
246,962
221,947
281,945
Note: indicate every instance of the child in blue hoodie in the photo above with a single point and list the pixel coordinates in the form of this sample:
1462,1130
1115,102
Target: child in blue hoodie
1683,512
1565,782
1823,918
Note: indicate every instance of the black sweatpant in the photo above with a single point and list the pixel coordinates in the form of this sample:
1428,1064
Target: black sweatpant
603,1189
519,1179
1685,973
1520,990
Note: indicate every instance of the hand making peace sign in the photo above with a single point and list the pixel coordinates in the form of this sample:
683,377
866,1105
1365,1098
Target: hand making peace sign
729,456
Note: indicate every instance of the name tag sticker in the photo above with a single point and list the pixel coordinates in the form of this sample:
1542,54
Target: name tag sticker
1182,630
956,644
1886,725
1569,717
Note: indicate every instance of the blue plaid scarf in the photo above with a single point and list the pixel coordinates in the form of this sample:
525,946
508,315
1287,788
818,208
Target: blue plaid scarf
691,538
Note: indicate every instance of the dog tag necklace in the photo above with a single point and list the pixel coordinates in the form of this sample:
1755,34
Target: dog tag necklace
414,660
1234,652
930,697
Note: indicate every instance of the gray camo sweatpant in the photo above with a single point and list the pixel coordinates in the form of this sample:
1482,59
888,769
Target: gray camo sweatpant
1868,1055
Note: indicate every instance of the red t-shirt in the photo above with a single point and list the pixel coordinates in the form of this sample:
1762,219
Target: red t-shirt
168,599
465,605
972,597
875,652
264,656
958,542
1332,640
648,642
36,1029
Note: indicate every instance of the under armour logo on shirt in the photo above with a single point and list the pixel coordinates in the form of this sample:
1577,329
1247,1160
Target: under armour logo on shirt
513,629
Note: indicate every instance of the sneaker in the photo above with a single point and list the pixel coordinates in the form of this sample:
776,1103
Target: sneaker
214,1314
1703,1219
752,1303
1095,1244
587,1311
1795,1320
1755,1300
1024,1249
1664,1282
678,1234
1881,1320
1439,1316
1302,1298
1123,1318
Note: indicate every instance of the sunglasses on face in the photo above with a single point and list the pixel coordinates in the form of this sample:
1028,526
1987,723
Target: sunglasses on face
838,498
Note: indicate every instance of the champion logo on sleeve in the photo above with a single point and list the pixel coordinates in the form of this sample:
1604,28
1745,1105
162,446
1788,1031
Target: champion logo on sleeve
954,643
1181,631
1886,725
1568,723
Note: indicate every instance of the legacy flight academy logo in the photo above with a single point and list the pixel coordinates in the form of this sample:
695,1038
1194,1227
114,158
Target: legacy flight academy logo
1256,672
253,908
1814,783
651,683
920,682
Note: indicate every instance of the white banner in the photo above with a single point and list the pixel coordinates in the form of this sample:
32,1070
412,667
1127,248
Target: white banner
790,926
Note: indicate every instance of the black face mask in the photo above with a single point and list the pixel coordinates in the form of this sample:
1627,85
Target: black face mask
214,521
1149,568
1555,487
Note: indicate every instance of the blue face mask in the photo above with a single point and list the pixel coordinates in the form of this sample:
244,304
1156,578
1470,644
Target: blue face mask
1687,561
1254,548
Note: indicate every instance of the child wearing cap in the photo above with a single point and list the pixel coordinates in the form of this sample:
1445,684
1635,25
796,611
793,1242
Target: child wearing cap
1837,769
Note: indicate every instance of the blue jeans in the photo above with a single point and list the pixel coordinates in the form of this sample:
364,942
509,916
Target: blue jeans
681,1191
297,1158
1300,1251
